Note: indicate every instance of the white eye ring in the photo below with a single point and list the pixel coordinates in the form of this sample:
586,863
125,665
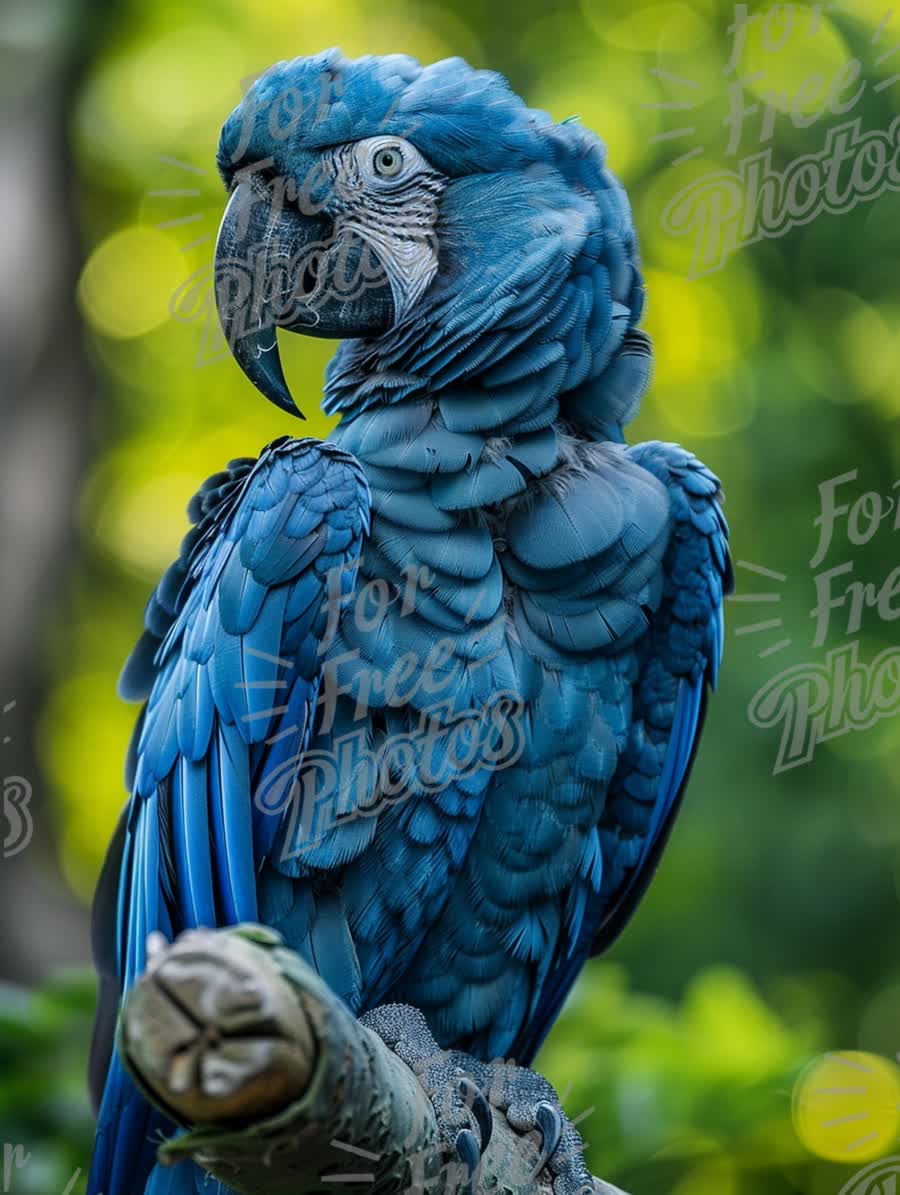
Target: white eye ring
388,162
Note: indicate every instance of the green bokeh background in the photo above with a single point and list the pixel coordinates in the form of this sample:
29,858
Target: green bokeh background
769,935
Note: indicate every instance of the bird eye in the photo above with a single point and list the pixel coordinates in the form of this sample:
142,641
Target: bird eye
388,162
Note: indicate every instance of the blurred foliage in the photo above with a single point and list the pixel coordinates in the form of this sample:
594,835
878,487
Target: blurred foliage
702,1084
688,1098
47,1124
766,934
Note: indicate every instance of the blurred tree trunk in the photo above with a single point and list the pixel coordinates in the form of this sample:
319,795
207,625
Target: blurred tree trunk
46,407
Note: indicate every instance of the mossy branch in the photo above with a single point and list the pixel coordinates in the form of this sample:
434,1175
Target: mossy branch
281,1091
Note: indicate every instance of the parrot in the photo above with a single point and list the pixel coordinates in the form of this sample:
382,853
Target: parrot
422,697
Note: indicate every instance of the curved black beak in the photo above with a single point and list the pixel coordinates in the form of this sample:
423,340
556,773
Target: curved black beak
277,266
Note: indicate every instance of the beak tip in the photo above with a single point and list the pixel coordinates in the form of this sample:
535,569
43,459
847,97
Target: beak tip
249,331
257,354
277,392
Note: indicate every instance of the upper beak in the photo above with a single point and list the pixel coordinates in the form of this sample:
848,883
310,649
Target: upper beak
259,253
277,266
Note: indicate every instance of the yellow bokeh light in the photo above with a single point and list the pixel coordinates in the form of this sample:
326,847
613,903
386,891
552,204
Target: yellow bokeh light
692,327
717,1000
791,57
863,345
142,524
701,330
869,350
84,755
163,95
282,31
128,281
667,28
179,77
845,1106
625,129
869,12
182,75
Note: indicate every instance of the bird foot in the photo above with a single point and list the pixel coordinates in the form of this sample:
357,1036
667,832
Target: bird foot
451,1082
464,1092
532,1106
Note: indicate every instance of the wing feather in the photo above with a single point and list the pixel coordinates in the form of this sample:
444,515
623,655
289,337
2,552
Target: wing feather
679,654
229,663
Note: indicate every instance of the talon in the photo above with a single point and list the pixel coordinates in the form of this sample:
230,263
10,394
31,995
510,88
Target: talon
480,1109
550,1122
468,1151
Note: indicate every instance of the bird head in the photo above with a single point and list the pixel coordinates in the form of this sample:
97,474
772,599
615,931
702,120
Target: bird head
402,209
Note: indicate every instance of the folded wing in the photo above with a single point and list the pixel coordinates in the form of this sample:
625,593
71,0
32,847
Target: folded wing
230,665
676,636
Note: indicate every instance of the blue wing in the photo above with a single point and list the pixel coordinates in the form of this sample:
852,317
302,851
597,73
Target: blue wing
230,663
679,658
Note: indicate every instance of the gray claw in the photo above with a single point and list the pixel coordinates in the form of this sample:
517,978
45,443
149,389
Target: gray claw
480,1109
468,1151
550,1122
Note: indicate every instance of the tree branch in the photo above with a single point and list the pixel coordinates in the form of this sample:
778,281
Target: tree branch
282,1091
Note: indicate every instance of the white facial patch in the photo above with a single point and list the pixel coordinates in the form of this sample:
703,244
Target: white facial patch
387,193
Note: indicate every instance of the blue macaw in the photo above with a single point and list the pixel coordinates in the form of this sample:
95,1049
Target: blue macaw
424,697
